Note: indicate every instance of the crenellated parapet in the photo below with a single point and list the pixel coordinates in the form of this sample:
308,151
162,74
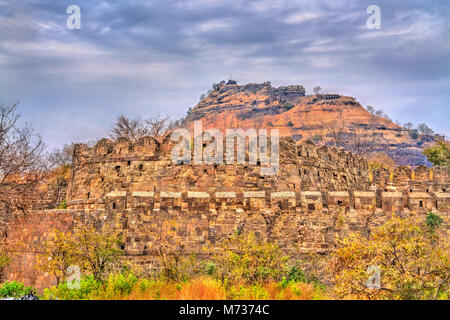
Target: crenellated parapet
146,165
390,201
404,178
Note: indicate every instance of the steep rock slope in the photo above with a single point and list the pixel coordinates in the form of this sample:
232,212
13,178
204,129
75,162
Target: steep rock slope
329,119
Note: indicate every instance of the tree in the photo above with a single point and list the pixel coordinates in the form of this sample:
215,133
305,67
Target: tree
158,127
380,159
425,129
363,139
317,90
135,128
408,126
379,113
370,109
439,154
414,134
95,250
413,263
62,157
244,258
175,265
57,255
129,128
22,164
336,130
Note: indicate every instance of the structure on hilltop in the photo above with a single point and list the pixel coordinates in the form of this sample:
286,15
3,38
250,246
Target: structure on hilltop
319,117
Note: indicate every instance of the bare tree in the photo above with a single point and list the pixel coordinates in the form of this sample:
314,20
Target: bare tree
317,90
363,139
130,128
22,163
408,126
321,138
379,113
135,128
425,129
62,157
336,130
158,127
370,109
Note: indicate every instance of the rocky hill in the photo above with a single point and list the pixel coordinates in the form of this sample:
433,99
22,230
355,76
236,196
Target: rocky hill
329,119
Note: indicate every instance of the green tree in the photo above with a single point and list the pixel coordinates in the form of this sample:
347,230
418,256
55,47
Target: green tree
439,154
97,250
57,254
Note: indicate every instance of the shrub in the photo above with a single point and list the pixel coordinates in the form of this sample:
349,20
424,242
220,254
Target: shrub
287,106
88,285
116,286
245,259
433,221
414,134
15,289
95,251
413,263
62,205
4,260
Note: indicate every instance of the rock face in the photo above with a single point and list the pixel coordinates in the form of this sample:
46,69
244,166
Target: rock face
305,117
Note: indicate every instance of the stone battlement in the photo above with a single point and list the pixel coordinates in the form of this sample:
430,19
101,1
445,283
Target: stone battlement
347,200
147,166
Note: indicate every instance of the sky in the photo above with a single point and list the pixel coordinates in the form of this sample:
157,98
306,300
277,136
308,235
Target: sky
157,57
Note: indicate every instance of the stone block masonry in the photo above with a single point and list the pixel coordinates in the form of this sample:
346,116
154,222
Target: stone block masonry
319,195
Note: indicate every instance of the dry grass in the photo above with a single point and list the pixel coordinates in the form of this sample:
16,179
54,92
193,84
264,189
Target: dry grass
206,288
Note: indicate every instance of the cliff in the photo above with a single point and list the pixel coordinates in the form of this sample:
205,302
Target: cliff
316,117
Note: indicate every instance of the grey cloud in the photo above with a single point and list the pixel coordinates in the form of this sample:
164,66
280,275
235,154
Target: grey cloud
159,56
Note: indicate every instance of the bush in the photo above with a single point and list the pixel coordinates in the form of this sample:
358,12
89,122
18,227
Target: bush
414,134
287,106
433,220
116,286
15,289
413,263
4,260
245,259
62,205
88,285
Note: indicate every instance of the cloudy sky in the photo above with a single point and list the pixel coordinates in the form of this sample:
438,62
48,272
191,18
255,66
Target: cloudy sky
149,57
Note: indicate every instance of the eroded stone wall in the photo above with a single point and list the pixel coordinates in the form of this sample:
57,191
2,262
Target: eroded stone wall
318,196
